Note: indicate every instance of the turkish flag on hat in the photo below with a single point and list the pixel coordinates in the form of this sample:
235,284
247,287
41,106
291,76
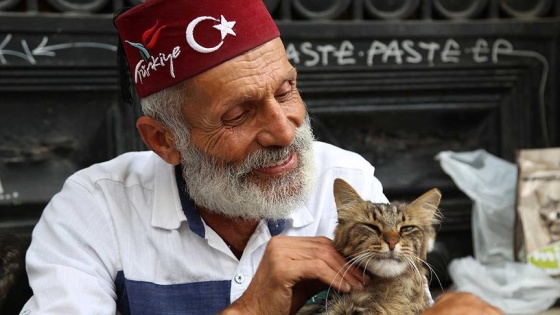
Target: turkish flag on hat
168,41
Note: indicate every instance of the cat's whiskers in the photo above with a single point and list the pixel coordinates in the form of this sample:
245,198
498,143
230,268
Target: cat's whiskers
424,262
432,271
365,266
355,260
413,265
359,259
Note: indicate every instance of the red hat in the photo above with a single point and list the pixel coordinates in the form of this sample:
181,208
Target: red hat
168,41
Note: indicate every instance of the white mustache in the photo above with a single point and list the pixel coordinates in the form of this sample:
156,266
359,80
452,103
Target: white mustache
231,189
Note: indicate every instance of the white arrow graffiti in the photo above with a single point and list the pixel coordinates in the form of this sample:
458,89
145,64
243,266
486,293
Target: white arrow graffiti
43,50
4,52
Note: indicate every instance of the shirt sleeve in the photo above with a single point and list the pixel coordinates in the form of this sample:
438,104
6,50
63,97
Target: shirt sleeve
72,260
372,190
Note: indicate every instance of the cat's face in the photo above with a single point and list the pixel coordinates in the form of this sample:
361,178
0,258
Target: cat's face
385,239
550,216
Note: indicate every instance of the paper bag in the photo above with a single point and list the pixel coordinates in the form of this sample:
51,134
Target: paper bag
538,207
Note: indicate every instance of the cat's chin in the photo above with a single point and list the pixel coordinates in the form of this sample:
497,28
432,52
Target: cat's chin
387,268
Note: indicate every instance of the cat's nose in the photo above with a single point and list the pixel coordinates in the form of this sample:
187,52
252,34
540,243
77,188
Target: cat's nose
391,238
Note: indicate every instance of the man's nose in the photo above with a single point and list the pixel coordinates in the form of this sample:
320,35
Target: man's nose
278,128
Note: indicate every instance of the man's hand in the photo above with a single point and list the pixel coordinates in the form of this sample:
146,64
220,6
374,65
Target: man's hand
461,303
292,270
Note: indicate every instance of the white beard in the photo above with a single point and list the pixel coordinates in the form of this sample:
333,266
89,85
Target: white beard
235,192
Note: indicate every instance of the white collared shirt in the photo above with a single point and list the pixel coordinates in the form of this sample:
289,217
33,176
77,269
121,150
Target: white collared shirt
117,236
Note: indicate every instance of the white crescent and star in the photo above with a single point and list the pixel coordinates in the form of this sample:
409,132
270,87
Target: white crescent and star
225,27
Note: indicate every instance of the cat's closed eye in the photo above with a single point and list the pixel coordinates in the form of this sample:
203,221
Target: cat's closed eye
373,227
408,228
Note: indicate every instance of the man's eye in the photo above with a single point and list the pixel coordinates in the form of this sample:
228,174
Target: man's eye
234,118
284,91
283,95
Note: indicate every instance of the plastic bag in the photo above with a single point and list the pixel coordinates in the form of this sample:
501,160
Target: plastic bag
515,288
490,183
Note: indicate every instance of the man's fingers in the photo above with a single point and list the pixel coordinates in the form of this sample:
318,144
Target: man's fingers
318,269
352,274
318,254
292,270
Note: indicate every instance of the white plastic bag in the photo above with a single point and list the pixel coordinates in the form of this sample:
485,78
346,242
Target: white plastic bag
490,183
515,288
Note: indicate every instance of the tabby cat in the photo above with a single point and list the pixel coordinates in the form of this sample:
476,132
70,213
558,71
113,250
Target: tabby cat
390,242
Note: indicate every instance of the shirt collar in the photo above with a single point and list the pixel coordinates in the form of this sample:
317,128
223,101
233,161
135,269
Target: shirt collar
166,209
191,212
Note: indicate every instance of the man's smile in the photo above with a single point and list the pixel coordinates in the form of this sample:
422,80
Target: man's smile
280,167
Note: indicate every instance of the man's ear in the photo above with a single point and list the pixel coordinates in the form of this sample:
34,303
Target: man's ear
159,139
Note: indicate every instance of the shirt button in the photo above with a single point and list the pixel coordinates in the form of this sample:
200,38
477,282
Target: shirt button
239,278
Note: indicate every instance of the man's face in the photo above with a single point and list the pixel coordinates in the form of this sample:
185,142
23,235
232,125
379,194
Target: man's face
250,150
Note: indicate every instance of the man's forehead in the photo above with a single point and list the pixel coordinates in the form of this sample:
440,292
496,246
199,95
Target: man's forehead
268,59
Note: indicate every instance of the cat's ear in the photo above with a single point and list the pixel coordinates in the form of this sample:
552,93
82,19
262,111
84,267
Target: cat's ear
344,194
429,202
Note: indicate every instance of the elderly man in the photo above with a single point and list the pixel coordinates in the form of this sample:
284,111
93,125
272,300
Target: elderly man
232,209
